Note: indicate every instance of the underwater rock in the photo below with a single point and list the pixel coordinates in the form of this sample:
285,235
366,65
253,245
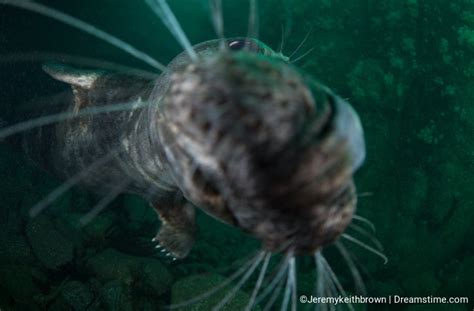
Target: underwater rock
68,225
48,244
114,296
149,275
154,277
191,287
58,305
77,295
97,229
15,249
111,265
17,281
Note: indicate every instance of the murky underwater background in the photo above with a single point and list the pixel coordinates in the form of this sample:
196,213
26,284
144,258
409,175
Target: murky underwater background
407,67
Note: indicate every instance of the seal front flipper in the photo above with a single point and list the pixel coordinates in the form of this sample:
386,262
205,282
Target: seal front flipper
178,226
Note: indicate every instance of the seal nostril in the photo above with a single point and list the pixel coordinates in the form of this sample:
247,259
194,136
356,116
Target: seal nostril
221,101
206,126
204,185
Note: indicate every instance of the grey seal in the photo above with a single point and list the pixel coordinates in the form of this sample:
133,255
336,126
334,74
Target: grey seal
241,134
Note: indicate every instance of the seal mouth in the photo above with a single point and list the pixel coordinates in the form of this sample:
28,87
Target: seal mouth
255,144
307,196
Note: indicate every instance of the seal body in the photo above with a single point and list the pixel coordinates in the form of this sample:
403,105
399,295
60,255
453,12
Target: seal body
241,134
70,147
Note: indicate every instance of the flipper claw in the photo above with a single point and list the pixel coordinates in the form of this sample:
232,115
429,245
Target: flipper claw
178,229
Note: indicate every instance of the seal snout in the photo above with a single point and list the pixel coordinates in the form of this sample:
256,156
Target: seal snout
253,145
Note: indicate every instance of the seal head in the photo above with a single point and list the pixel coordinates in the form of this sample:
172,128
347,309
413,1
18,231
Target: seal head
257,144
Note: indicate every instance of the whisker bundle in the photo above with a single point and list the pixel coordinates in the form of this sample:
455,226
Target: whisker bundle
163,11
302,56
279,277
103,203
226,282
365,221
253,31
358,281
244,279
85,27
218,21
63,116
76,60
335,280
68,184
363,245
368,235
301,44
259,282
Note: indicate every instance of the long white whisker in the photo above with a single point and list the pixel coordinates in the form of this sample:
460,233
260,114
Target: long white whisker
276,293
365,194
278,277
76,60
71,182
303,56
363,245
63,116
320,278
294,287
331,290
365,221
253,30
163,11
211,292
240,283
301,44
218,20
332,307
335,280
283,39
259,282
103,203
289,284
85,27
358,281
368,235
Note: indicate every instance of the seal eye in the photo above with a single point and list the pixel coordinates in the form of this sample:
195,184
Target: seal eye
241,44
237,45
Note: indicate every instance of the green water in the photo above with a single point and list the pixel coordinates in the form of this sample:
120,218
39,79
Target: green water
407,67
